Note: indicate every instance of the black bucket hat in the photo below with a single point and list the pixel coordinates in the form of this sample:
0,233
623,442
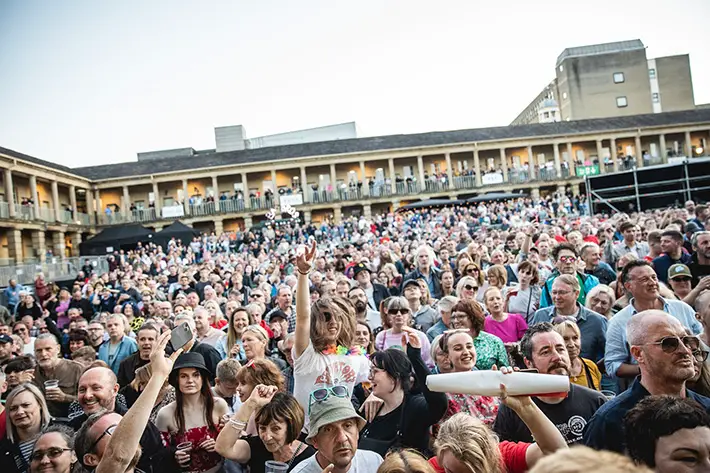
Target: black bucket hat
187,360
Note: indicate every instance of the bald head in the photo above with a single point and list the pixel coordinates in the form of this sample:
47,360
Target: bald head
98,388
640,328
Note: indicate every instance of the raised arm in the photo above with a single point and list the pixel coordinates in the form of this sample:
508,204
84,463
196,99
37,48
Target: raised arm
547,438
304,264
125,440
436,402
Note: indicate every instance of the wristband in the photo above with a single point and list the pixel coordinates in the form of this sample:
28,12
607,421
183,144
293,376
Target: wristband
237,425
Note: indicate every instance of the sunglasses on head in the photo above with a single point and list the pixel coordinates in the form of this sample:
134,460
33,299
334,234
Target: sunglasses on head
321,394
109,431
671,344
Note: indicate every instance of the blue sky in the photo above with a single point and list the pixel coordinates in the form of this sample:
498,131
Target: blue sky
94,82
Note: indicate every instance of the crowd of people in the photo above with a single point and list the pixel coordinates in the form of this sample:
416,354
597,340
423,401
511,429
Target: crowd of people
307,348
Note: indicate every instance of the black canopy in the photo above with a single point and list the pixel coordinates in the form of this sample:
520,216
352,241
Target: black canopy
177,230
423,204
115,238
495,196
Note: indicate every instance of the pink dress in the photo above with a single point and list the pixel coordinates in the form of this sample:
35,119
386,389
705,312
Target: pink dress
200,460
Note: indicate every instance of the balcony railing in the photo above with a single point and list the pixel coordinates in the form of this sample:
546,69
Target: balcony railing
46,214
24,212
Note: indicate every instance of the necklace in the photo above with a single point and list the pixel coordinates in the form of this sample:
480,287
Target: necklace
341,350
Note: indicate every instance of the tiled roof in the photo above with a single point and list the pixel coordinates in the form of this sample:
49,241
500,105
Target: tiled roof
381,143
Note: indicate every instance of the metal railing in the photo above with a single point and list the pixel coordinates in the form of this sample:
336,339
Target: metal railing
465,182
407,187
46,214
436,185
24,212
55,269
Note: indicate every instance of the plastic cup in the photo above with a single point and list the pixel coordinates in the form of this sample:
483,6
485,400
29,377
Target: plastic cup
51,384
275,467
183,447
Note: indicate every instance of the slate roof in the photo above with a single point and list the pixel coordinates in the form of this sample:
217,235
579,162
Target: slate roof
209,159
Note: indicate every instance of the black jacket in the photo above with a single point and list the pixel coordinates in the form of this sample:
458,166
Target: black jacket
127,369
379,293
416,274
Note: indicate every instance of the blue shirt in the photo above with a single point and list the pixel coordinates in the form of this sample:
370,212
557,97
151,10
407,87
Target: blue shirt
617,346
605,429
437,329
662,264
591,325
12,295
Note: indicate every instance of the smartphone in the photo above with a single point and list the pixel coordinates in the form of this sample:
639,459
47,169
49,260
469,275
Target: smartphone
180,336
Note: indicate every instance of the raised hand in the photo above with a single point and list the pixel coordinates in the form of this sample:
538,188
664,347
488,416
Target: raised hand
411,337
306,257
160,364
261,395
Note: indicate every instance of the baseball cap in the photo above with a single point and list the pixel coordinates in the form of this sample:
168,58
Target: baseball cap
5,338
679,270
409,282
360,267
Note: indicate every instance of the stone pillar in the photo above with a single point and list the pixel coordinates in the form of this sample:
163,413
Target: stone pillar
338,215
218,226
600,158
185,198
575,189
333,177
531,163
90,208
504,164
365,188
639,152
477,167
393,183
156,197
571,161
276,188
688,145
420,166
245,191
558,164
9,197
34,195
75,242
307,216
72,199
304,183
14,245
126,202
55,201
97,199
248,223
662,145
58,245
535,193
612,150
215,188
449,169
39,244
367,211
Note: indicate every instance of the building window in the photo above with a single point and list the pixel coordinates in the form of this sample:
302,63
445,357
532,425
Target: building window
652,73
621,102
547,114
552,114
656,98
564,95
618,77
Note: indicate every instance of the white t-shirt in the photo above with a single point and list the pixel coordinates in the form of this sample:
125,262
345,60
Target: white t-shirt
312,370
364,461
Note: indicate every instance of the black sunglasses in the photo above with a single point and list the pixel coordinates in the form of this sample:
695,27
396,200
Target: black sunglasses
468,287
683,279
671,344
109,431
398,311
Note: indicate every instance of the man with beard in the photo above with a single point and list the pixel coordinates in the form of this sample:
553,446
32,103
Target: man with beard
375,293
664,351
108,442
146,337
362,312
544,349
51,367
97,334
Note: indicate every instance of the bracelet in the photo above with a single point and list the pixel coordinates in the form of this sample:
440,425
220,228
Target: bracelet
237,425
304,274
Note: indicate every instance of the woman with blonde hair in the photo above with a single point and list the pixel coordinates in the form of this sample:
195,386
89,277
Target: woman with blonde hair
497,276
405,461
27,415
601,299
582,372
230,345
395,279
399,317
464,443
255,342
217,319
468,288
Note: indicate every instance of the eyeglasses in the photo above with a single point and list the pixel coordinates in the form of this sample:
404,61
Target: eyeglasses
567,259
671,344
683,279
458,316
109,431
321,394
51,452
468,287
398,311
701,355
560,293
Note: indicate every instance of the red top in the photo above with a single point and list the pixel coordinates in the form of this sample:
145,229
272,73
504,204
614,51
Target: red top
512,456
3,424
591,239
219,324
200,460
